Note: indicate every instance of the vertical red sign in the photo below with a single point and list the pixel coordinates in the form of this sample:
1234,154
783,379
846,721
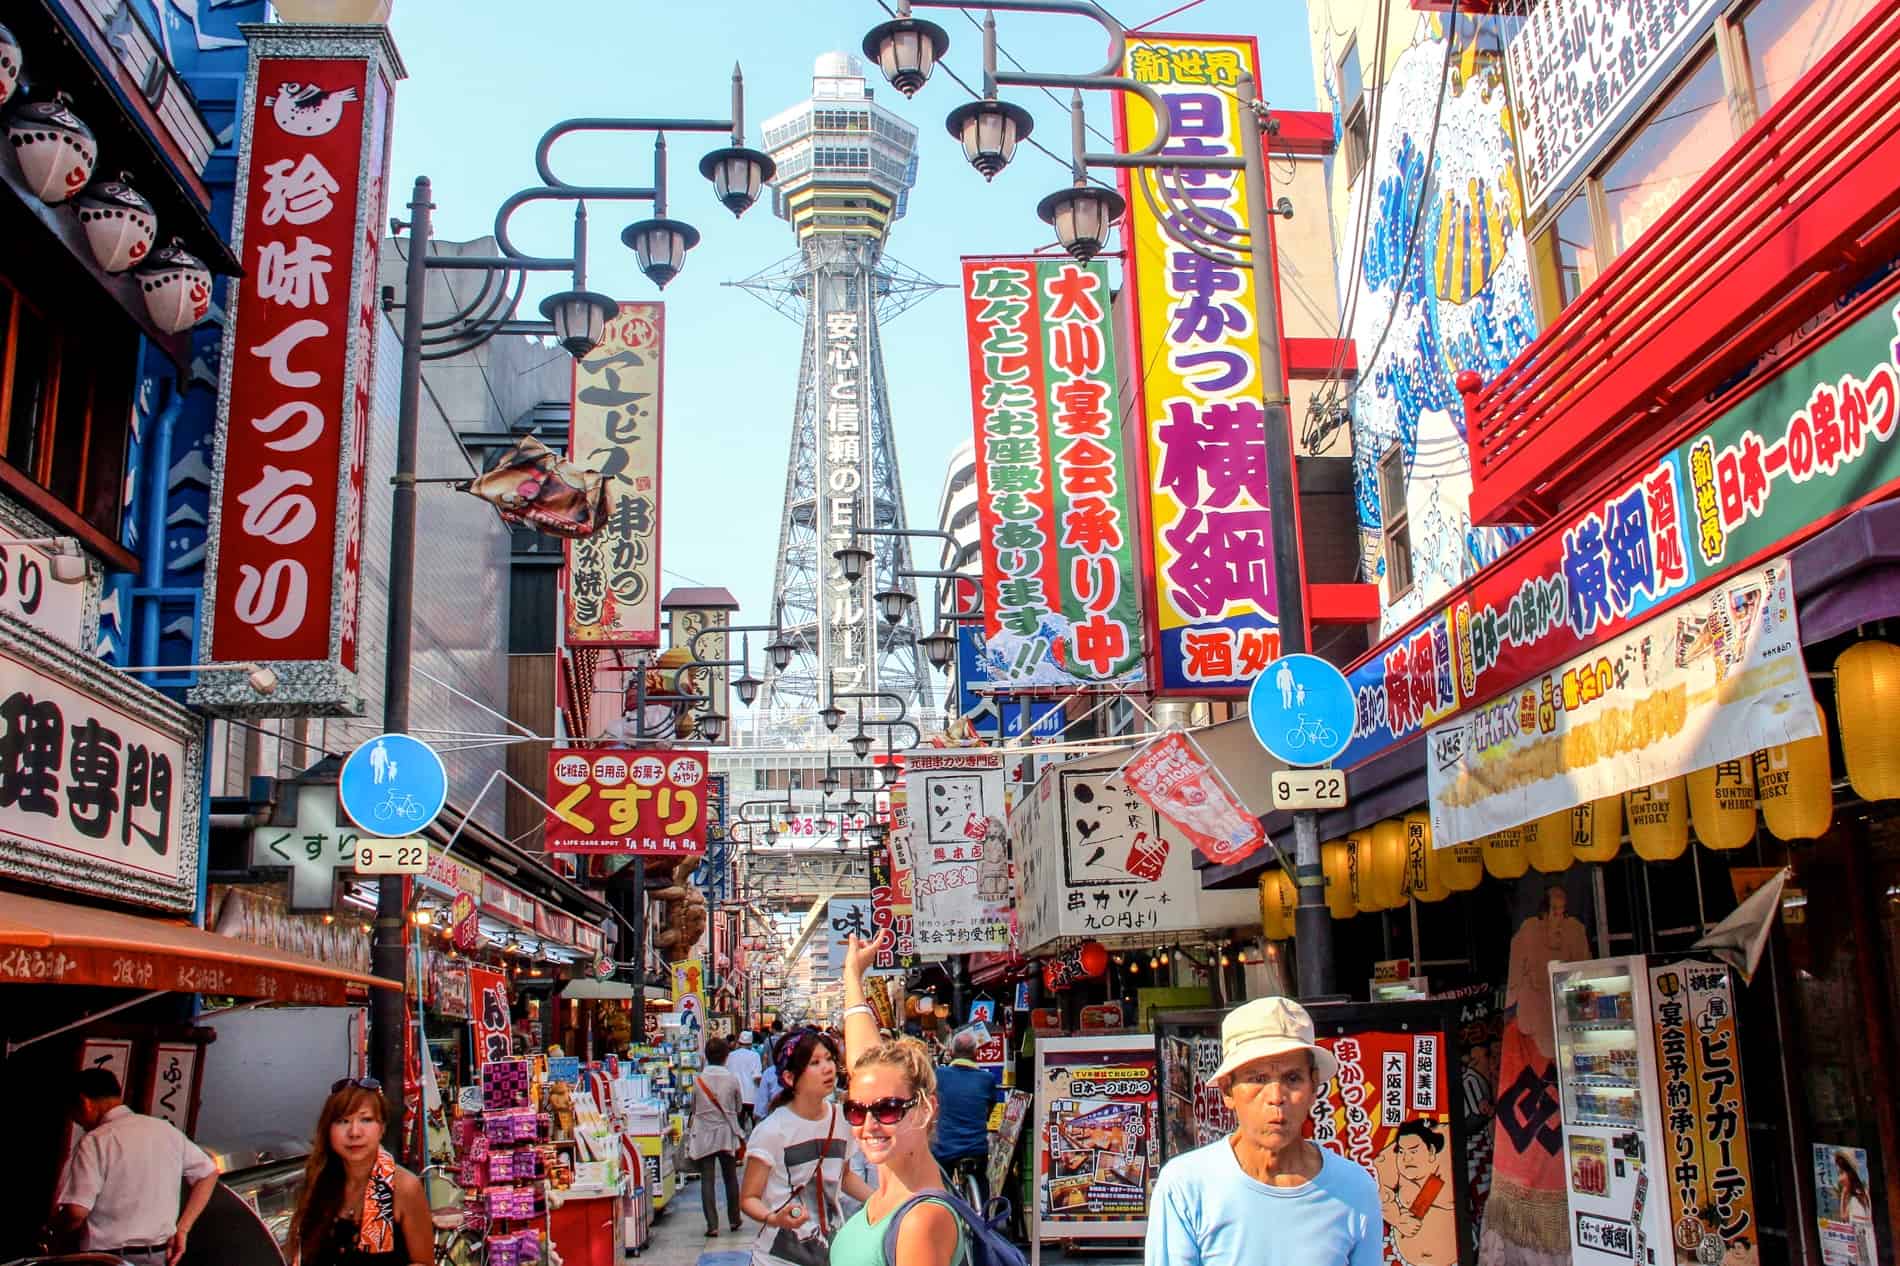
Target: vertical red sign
288,500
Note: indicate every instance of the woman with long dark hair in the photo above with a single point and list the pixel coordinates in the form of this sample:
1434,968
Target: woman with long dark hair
359,1208
797,1160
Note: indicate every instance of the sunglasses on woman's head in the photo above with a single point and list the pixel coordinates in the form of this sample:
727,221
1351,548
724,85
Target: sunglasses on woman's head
361,1083
887,1111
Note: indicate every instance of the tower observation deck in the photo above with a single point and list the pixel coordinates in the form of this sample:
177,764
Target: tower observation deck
846,166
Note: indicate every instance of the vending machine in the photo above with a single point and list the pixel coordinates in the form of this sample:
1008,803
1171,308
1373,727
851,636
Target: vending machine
1655,1135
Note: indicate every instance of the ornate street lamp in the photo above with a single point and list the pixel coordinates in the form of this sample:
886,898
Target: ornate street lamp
906,49
853,560
989,130
894,604
939,648
660,246
579,318
1082,217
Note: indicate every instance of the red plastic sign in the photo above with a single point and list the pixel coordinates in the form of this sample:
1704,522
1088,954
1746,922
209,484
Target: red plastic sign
611,800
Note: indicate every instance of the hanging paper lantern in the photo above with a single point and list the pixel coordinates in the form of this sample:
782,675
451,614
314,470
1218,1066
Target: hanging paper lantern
1461,865
1336,862
1093,955
11,63
177,288
1359,863
1504,856
1722,804
1795,783
1547,843
1278,898
55,150
1424,871
120,224
1596,829
1659,819
1867,705
1388,864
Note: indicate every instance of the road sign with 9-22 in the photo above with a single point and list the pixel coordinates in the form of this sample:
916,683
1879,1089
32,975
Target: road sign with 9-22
380,856
1309,789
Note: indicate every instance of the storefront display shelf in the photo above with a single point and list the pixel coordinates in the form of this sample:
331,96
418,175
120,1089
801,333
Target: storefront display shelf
1599,1026
1606,1083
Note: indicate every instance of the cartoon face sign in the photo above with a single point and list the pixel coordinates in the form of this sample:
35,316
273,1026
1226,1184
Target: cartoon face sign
306,109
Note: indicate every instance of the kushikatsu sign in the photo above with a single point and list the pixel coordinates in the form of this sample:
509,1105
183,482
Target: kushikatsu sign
1061,565
1212,612
1812,443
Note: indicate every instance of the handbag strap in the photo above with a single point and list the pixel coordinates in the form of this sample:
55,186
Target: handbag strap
818,1176
699,1083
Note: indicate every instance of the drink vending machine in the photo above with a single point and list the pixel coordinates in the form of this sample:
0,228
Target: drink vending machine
1655,1133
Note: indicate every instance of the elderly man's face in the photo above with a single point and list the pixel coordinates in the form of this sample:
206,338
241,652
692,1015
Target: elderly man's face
1271,1098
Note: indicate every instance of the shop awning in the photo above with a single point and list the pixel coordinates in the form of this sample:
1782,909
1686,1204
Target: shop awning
617,990
52,943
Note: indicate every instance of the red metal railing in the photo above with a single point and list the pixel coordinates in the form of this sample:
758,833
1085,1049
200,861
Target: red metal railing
1798,209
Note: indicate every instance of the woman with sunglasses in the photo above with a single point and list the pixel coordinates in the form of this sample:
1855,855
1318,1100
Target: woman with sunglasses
359,1208
797,1160
892,1107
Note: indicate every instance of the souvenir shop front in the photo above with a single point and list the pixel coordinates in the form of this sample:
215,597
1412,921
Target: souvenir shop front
1640,842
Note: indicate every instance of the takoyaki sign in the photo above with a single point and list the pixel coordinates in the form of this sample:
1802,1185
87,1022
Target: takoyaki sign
287,495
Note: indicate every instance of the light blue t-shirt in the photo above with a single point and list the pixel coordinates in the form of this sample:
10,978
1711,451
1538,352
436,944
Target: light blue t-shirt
1206,1211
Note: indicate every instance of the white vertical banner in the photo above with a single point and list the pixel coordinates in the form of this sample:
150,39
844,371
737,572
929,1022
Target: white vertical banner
961,886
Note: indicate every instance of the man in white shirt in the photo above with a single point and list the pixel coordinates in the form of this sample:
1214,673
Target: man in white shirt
121,1187
744,1064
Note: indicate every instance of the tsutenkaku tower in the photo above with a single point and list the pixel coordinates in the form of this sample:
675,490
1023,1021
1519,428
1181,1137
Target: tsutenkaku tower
845,168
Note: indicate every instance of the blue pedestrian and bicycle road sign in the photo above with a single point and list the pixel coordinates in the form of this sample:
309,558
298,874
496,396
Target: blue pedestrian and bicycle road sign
1301,710
393,785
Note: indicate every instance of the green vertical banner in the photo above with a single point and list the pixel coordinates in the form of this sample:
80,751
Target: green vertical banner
1060,546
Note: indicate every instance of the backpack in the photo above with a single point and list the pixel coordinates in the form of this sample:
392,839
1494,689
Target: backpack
988,1242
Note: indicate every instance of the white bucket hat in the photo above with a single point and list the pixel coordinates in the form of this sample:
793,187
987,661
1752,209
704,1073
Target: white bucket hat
1267,1027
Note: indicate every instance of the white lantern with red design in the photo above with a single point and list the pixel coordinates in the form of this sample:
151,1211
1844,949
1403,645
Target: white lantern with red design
120,224
12,61
56,151
177,288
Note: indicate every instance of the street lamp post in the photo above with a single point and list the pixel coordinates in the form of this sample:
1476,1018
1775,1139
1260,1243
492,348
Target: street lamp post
989,130
576,318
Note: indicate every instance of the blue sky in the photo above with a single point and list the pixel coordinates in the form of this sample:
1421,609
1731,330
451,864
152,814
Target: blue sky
487,77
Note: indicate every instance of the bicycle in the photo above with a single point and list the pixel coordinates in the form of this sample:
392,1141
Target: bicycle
457,1243
962,1173
404,806
1318,733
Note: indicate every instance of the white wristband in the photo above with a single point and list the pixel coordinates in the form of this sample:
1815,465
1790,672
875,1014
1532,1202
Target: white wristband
854,1009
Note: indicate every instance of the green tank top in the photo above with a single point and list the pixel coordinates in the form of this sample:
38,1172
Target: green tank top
860,1242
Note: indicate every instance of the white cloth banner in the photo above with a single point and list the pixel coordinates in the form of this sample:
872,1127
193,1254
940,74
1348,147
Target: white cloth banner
1714,679
960,885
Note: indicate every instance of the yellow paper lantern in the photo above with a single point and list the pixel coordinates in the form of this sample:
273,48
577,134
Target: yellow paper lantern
1504,856
1867,706
1795,784
1278,898
1659,819
1424,867
1722,804
1461,865
1596,830
1360,867
1548,847
1336,861
1388,864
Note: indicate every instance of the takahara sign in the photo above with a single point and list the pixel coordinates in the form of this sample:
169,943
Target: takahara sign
287,497
611,800
1060,545
613,586
1212,612
99,777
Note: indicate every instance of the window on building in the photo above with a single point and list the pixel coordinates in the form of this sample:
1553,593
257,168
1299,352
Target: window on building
1352,110
1782,39
1565,256
1681,138
1396,529
66,384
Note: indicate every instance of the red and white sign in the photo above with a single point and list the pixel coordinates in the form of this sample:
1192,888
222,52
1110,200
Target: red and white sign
288,494
1177,780
488,993
641,803
516,907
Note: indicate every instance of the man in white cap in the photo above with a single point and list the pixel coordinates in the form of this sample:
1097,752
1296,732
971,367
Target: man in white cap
744,1064
1265,1195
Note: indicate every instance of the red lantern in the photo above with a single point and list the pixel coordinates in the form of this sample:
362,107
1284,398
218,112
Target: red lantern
1052,980
1094,959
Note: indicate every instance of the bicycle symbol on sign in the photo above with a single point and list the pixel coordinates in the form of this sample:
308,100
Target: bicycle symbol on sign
399,806
1313,731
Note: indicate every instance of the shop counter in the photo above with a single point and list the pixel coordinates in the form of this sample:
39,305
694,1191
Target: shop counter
588,1229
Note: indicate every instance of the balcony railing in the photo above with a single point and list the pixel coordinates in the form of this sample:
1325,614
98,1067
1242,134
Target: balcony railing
1796,211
